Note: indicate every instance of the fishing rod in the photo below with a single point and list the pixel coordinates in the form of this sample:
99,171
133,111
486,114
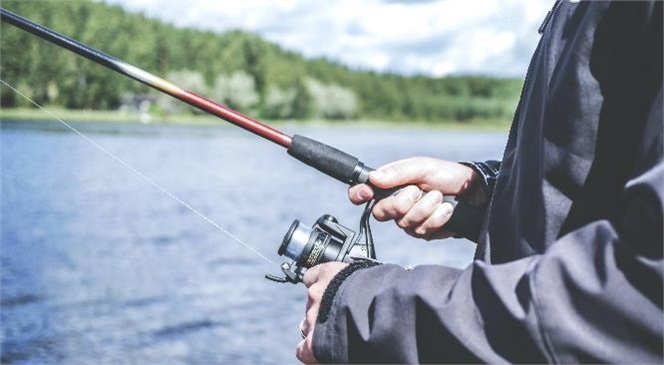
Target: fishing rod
465,221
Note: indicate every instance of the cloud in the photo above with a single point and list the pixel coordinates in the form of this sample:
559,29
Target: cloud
409,37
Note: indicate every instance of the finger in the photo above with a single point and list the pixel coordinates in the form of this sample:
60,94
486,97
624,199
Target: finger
329,269
421,210
299,349
309,321
311,276
402,172
326,272
360,193
304,351
304,327
395,207
322,272
432,227
315,295
302,354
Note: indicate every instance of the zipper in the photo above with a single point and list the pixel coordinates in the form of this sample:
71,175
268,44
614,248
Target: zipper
548,16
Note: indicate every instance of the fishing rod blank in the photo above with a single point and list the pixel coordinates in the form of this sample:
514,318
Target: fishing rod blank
465,220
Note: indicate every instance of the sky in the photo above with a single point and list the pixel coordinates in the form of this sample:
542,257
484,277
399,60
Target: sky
427,37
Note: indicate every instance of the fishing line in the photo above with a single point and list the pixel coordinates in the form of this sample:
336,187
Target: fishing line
141,175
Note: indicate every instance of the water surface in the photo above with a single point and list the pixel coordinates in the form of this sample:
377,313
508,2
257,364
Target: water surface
100,267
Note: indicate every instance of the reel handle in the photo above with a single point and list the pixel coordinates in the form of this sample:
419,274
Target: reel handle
466,221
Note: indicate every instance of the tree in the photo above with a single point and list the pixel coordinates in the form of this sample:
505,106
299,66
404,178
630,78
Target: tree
331,100
245,71
238,91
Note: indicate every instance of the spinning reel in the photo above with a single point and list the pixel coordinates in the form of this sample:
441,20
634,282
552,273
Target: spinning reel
328,240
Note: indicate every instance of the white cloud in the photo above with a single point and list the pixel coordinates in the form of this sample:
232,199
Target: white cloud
427,37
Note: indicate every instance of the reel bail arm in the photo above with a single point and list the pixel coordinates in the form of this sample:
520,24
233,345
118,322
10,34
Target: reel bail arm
326,241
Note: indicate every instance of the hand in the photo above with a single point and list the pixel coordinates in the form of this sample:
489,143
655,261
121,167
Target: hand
316,279
418,208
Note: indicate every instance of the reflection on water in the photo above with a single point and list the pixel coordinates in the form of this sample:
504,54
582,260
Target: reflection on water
100,267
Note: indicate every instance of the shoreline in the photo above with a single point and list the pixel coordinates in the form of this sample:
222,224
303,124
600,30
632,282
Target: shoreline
118,117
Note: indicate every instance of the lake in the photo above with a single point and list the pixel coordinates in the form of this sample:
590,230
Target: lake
99,266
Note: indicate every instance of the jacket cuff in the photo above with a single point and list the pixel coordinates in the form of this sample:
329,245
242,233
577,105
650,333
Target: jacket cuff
488,172
335,283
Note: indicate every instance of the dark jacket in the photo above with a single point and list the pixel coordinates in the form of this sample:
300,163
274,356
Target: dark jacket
569,262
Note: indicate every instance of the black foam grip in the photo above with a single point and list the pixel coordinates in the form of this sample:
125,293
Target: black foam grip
324,158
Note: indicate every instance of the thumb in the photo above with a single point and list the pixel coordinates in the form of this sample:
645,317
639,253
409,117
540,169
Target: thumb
399,173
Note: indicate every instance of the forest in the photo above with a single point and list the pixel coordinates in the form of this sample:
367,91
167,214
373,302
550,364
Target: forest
235,68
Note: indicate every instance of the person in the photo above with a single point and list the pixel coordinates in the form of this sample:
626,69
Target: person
568,263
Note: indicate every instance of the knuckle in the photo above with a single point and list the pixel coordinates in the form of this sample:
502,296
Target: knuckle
311,294
409,220
311,316
402,223
435,197
401,209
448,209
380,215
381,218
327,270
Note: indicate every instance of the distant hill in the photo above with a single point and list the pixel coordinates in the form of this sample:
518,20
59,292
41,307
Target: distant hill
236,68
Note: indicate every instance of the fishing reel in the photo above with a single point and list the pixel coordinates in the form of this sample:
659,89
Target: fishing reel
328,240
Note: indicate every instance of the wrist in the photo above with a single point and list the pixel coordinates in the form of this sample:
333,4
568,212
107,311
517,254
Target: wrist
481,182
332,288
475,194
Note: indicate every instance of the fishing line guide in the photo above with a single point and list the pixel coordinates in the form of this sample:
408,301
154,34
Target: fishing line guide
465,221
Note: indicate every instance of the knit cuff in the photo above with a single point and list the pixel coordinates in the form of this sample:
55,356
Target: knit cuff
335,283
488,172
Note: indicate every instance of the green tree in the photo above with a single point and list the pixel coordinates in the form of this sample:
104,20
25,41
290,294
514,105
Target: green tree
237,90
262,77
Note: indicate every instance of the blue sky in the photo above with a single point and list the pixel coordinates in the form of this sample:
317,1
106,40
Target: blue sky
434,38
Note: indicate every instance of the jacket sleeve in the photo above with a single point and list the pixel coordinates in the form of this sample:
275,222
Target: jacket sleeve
488,173
594,296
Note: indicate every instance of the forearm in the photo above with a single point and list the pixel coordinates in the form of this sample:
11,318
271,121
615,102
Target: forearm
562,306
427,315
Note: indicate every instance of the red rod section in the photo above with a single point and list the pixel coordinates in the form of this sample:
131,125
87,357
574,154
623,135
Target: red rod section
236,118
